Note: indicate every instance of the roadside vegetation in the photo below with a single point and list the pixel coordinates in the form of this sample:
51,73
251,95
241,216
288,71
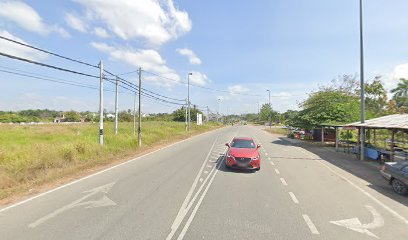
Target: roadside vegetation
33,155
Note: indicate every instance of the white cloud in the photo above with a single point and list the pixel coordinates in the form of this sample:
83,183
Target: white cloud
237,89
101,32
75,22
27,18
149,59
18,50
400,71
199,79
192,57
154,21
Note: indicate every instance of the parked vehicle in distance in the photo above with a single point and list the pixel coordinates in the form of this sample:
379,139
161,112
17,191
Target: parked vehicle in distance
243,154
396,174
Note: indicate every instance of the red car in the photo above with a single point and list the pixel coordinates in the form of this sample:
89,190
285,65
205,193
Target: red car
243,154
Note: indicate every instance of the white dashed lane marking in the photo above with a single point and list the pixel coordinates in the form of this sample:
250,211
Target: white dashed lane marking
294,199
310,224
272,163
283,181
277,171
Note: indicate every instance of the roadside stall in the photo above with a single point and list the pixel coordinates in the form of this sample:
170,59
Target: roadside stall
386,137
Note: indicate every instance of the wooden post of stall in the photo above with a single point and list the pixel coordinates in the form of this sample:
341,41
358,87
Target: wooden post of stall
375,137
337,138
322,135
392,145
358,143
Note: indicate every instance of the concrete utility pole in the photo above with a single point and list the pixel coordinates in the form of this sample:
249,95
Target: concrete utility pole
139,130
116,105
134,114
101,103
362,98
188,97
208,114
270,120
218,112
186,115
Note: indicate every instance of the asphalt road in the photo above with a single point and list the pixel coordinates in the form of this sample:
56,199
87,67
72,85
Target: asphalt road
184,192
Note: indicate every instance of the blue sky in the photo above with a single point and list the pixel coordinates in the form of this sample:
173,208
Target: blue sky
239,47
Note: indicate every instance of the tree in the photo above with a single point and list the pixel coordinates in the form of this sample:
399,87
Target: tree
375,98
327,106
266,112
72,116
125,116
401,95
180,114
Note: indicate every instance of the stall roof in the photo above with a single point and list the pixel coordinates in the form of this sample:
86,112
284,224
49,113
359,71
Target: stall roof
395,121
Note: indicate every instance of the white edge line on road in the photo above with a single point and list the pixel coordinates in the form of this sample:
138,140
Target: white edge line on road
310,224
102,171
277,171
294,199
190,219
284,182
365,193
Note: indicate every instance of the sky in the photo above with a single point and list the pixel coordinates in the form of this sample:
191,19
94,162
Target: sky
235,50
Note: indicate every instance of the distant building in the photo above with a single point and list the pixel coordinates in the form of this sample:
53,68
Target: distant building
60,119
110,115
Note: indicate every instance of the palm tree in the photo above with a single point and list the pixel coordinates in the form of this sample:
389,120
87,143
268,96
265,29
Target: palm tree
401,93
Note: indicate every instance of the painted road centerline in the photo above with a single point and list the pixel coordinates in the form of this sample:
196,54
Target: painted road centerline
272,163
294,199
284,182
277,171
310,224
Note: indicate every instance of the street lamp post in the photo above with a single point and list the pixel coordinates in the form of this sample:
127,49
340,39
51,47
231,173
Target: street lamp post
269,92
218,112
362,98
188,99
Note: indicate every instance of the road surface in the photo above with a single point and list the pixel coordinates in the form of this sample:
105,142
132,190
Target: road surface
184,191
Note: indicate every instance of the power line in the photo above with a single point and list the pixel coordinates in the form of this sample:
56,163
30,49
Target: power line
55,81
48,52
130,84
46,65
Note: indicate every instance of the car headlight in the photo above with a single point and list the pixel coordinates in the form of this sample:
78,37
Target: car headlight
255,158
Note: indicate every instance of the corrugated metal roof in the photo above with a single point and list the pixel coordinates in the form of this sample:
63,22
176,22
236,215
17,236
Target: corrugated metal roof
395,121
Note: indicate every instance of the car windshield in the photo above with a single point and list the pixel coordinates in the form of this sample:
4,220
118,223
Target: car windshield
243,144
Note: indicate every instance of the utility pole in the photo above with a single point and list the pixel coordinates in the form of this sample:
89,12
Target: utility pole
116,105
188,97
208,114
139,130
362,98
186,115
218,112
101,103
270,123
134,114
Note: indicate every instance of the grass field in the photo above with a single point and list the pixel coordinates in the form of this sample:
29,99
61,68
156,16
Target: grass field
280,131
33,155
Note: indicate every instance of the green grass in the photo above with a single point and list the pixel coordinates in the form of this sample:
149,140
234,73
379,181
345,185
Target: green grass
280,131
32,155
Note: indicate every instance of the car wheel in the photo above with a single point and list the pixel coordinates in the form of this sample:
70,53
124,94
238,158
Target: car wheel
399,187
258,169
226,165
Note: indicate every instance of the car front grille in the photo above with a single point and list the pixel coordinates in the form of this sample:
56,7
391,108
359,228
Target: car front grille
242,161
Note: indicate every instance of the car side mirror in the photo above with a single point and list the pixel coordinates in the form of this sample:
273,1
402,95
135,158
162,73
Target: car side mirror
227,144
258,146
